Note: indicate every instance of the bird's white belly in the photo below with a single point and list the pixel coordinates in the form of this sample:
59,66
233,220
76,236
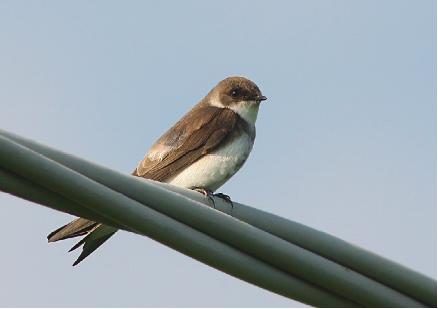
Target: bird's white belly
213,170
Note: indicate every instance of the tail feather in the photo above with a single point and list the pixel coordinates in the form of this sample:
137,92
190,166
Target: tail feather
93,241
78,244
83,240
96,235
75,228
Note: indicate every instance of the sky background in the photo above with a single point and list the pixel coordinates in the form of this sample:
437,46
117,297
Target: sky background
346,142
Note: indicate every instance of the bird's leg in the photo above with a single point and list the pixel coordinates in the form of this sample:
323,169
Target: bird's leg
208,193
226,198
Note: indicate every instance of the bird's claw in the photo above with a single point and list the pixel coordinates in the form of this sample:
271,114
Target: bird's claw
207,193
226,198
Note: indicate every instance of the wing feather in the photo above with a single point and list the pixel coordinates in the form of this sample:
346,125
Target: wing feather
196,134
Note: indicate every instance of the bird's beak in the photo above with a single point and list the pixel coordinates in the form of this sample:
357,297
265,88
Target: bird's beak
261,98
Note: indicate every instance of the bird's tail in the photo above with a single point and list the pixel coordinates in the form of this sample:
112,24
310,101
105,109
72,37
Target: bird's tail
95,235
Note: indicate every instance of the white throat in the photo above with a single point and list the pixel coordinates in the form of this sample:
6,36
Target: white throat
248,110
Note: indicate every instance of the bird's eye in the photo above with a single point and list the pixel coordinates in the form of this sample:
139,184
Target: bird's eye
234,92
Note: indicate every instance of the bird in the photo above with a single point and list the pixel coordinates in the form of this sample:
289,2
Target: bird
203,150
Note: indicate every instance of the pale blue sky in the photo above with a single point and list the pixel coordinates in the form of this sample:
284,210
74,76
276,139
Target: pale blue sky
346,142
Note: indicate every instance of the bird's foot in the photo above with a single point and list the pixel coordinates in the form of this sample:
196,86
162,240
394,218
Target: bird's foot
208,193
226,198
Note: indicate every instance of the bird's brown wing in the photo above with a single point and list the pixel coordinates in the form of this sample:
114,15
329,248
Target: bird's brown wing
194,136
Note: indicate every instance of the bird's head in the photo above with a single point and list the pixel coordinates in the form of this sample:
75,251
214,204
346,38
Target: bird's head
238,94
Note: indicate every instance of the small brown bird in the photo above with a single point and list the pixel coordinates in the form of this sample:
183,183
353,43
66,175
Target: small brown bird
200,152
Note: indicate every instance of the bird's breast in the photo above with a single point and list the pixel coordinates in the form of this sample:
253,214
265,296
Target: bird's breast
215,168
